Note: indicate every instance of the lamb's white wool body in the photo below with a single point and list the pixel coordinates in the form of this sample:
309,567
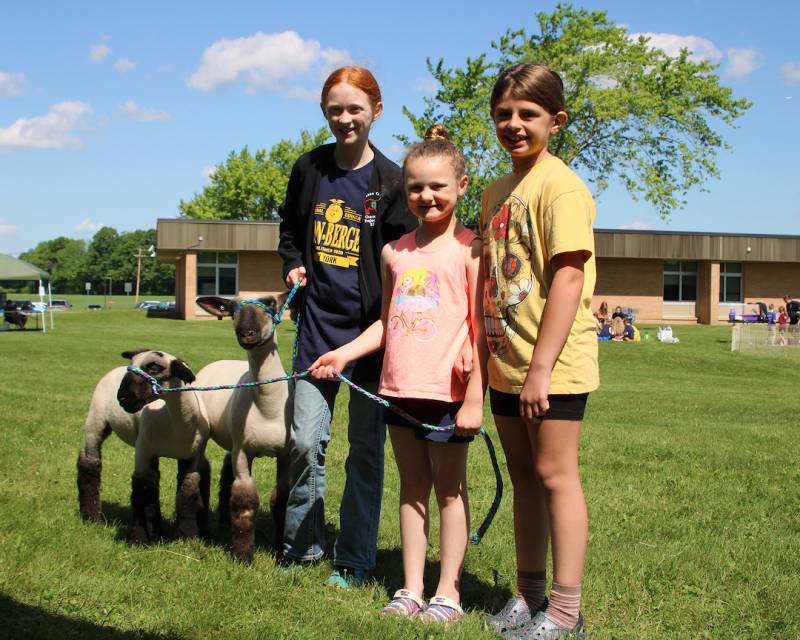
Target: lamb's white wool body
106,413
174,425
251,422
257,415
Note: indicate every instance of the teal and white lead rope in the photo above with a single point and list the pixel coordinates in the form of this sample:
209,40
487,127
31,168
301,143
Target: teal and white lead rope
158,389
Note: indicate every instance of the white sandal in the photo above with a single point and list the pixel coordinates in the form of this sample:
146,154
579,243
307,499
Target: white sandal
404,604
442,610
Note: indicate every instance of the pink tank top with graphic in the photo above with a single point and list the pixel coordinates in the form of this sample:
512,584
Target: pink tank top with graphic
428,319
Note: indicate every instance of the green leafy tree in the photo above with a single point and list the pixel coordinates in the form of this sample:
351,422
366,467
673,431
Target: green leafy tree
637,115
250,186
63,258
112,255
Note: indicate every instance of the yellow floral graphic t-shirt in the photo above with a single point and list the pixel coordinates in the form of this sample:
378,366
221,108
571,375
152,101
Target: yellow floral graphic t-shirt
526,219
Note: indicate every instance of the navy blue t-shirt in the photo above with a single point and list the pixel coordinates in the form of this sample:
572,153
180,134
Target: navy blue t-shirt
332,311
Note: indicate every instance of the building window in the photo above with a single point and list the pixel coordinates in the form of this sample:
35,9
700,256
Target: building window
730,282
680,281
217,273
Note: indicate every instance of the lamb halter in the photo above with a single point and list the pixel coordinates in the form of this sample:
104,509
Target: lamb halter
277,317
158,389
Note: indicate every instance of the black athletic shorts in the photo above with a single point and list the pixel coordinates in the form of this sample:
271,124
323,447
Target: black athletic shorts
434,412
563,406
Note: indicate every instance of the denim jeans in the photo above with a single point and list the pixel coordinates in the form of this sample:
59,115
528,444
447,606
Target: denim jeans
359,514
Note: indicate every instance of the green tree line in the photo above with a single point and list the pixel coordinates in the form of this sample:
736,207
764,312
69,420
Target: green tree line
109,255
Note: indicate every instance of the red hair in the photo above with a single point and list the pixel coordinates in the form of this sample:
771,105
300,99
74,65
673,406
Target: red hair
358,77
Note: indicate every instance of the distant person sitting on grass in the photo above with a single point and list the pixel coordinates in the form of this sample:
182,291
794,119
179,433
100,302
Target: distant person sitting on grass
604,331
629,331
617,313
617,328
602,313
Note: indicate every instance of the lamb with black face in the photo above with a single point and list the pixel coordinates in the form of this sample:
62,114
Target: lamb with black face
135,391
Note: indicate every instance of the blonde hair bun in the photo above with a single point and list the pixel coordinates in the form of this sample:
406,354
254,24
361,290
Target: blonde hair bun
437,132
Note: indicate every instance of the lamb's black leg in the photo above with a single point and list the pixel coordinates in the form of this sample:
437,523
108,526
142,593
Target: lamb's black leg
204,515
146,511
244,510
89,471
188,502
225,482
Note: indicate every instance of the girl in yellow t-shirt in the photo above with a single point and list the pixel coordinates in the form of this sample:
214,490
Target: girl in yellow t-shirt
539,265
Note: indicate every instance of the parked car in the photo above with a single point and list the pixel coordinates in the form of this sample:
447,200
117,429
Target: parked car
148,304
59,304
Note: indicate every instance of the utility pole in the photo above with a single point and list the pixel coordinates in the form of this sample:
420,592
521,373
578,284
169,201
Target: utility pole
139,255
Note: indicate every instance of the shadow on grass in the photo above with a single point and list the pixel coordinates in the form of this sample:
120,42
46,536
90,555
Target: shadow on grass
33,623
475,592
120,517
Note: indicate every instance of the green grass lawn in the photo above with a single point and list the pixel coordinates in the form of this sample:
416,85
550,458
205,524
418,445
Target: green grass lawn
689,459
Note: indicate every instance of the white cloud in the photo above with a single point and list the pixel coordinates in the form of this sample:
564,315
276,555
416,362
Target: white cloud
742,62
791,72
99,52
11,84
603,82
86,226
132,110
396,151
52,131
6,229
426,85
671,44
123,65
208,171
266,62
636,225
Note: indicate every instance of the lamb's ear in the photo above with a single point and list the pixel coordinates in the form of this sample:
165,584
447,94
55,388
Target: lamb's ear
282,298
270,301
181,370
216,306
128,355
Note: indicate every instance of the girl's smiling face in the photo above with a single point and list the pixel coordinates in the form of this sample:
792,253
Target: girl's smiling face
433,188
524,129
349,113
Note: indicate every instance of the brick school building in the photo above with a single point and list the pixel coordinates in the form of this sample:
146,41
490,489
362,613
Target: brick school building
665,276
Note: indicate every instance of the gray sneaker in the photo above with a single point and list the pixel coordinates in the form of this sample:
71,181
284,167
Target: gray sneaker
543,628
514,615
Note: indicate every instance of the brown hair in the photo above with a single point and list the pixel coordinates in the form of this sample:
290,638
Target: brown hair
358,77
531,81
437,144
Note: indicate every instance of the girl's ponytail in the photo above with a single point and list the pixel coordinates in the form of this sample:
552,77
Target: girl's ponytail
437,144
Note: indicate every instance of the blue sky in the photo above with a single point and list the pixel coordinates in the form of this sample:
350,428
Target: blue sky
110,113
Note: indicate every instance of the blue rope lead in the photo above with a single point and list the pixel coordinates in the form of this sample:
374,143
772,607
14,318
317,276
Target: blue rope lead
158,389
477,536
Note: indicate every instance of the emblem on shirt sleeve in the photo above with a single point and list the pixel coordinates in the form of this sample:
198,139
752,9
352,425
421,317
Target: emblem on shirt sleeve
371,201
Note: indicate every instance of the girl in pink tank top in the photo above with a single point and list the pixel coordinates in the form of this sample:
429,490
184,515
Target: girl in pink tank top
432,300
